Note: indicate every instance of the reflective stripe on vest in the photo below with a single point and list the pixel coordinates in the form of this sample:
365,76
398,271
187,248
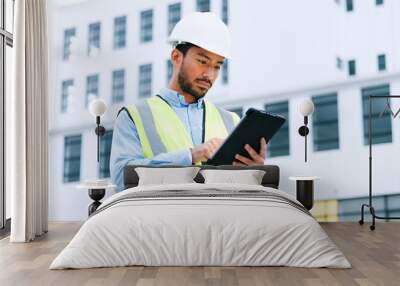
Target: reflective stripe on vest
161,130
149,127
144,140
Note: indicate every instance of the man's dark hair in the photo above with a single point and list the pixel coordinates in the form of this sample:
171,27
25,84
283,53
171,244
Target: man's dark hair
184,47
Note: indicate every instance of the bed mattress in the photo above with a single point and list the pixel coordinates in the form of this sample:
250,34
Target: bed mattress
201,225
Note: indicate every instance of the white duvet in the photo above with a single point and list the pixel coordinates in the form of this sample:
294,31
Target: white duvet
182,231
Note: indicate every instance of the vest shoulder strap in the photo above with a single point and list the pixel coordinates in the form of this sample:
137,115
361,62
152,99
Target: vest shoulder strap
136,116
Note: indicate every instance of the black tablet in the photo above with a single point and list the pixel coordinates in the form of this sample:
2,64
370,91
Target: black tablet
255,125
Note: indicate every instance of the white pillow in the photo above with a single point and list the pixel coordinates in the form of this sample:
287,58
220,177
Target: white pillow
249,177
165,176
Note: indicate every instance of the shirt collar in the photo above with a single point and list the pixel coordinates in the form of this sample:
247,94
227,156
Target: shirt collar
177,100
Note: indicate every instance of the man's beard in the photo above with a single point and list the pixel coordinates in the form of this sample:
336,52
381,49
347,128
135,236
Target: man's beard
187,87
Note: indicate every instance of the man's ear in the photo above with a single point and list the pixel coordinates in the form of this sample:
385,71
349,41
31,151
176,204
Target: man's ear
176,57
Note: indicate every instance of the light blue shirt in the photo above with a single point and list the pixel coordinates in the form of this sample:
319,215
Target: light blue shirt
127,150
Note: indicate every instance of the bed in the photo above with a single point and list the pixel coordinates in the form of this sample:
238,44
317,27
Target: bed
201,224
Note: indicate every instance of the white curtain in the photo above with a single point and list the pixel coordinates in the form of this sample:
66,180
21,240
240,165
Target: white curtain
27,122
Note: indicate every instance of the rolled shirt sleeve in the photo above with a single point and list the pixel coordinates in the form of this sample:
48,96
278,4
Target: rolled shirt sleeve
126,149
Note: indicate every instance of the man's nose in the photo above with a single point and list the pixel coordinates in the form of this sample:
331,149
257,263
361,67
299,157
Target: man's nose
210,74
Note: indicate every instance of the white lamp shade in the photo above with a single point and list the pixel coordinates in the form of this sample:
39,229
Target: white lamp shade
306,107
97,107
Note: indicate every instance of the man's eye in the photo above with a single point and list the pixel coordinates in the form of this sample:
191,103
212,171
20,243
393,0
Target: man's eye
202,62
218,67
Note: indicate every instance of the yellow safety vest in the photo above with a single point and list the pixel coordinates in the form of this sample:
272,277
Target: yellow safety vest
160,130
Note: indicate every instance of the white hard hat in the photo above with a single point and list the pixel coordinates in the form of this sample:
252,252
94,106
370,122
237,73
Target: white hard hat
205,30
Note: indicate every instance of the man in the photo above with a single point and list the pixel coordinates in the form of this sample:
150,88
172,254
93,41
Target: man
177,126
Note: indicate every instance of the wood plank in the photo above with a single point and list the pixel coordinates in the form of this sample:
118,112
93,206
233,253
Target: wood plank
375,257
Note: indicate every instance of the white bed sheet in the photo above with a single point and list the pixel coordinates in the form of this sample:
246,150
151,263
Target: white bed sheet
200,231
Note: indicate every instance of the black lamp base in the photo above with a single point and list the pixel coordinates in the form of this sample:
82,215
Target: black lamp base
305,193
96,195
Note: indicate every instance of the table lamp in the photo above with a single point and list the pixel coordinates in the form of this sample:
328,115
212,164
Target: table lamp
306,108
97,188
97,108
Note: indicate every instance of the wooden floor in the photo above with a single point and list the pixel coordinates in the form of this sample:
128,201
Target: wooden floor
374,255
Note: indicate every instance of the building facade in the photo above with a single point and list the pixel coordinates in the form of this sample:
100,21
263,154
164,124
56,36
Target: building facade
335,53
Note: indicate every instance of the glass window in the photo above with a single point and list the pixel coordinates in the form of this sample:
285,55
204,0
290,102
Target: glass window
174,15
65,94
118,85
72,158
350,209
145,79
119,32
3,62
393,205
381,62
352,67
349,5
279,144
381,121
325,122
6,64
394,202
384,205
339,63
69,36
146,26
203,5
225,11
105,150
169,70
8,89
94,37
92,88
225,72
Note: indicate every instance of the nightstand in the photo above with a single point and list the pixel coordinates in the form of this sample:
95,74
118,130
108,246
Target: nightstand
96,190
305,190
